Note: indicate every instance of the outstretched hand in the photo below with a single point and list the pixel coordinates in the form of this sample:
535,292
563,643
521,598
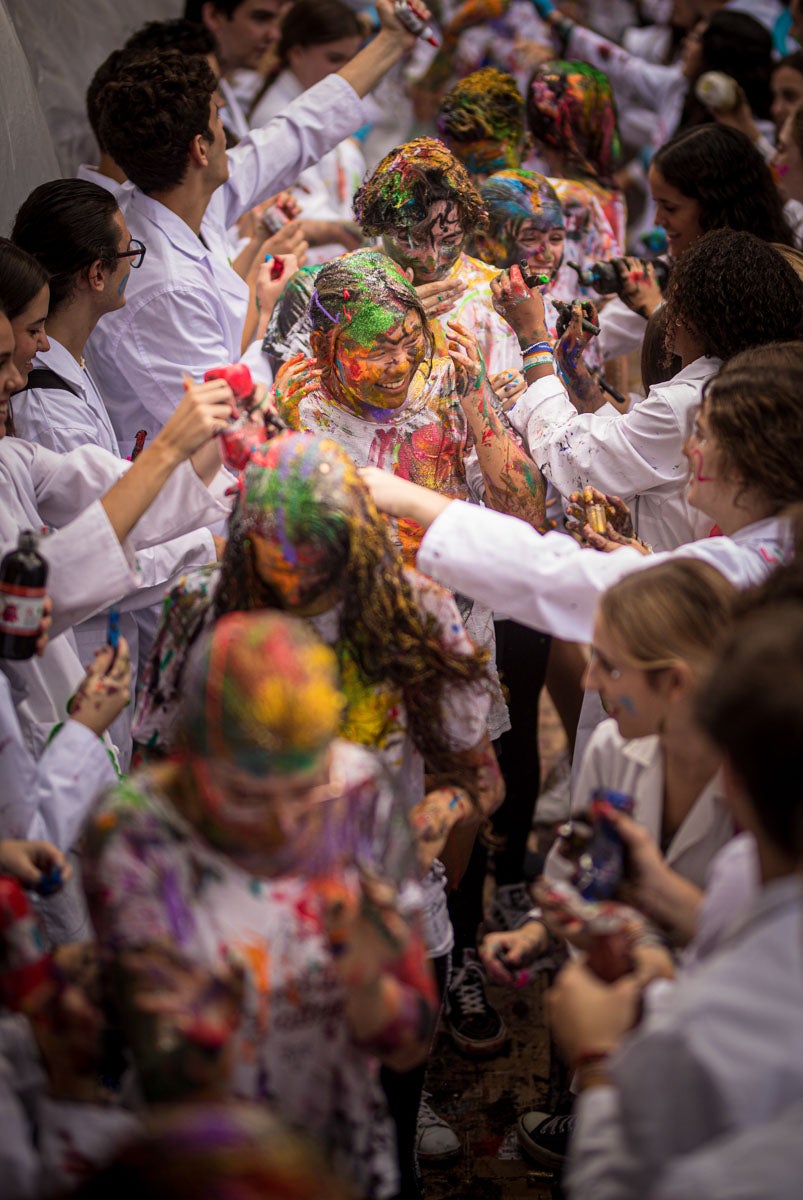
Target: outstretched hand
466,355
522,308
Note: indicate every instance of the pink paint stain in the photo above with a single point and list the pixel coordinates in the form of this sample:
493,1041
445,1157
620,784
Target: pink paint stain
697,460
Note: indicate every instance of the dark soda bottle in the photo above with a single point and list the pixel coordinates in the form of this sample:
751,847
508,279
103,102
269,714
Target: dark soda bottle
23,575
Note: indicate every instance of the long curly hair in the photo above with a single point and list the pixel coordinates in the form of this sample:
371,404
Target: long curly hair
408,181
358,293
731,291
722,170
305,489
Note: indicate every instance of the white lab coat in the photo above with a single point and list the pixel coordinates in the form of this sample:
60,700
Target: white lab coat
185,306
635,767
551,584
636,455
89,568
50,798
723,1059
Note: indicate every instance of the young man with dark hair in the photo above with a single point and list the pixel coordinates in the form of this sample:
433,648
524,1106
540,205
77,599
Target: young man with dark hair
243,31
186,307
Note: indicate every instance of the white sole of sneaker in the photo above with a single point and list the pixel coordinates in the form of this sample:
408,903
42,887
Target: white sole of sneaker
538,1153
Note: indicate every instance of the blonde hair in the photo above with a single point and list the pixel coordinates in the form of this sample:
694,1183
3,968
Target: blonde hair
673,612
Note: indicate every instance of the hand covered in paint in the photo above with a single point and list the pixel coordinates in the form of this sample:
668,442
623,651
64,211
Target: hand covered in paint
618,524
640,289
587,1016
521,308
506,956
295,379
508,386
440,296
105,689
576,337
31,861
434,817
68,1024
465,353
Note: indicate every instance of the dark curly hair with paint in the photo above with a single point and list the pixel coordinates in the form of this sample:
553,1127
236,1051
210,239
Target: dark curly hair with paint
570,107
151,111
722,170
406,184
732,291
348,292
486,104
383,631
753,408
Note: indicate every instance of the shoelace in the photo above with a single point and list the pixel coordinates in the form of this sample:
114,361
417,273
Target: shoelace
556,1126
471,992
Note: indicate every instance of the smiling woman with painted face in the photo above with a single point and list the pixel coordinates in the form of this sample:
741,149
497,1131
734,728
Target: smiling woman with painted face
423,205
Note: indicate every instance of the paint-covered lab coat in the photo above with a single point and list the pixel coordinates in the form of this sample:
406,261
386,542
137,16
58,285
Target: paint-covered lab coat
185,306
552,584
89,568
636,455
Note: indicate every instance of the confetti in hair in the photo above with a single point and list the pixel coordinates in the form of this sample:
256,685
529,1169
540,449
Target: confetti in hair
570,107
408,181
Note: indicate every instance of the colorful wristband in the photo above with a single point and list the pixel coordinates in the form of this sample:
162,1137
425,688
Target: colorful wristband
536,346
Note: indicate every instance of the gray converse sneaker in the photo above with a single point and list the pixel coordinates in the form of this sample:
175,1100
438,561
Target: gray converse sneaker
544,1136
508,909
435,1141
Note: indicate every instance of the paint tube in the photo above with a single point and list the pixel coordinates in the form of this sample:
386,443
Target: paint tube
412,21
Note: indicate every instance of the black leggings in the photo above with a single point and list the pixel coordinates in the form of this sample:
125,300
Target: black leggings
403,1093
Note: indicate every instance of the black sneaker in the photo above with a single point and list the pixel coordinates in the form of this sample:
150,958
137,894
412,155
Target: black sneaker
473,1024
545,1137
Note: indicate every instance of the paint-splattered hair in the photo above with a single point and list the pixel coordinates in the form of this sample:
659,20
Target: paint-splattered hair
307,489
512,197
360,293
485,105
290,326
570,107
408,181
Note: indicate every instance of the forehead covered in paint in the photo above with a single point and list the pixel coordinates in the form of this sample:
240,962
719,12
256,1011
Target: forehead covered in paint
301,489
408,181
362,295
570,107
261,692
515,196
486,105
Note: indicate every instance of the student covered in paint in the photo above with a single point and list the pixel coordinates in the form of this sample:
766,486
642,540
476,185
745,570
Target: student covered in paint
422,204
482,122
730,291
745,458
572,117
254,898
306,538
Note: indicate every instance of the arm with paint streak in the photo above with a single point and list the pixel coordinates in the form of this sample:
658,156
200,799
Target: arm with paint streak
380,957
512,480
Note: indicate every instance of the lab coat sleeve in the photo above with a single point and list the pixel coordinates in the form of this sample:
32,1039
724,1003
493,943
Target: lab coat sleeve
547,581
599,1164
48,799
621,454
272,158
634,80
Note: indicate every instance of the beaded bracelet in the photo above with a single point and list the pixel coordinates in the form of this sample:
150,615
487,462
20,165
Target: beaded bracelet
536,346
537,360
